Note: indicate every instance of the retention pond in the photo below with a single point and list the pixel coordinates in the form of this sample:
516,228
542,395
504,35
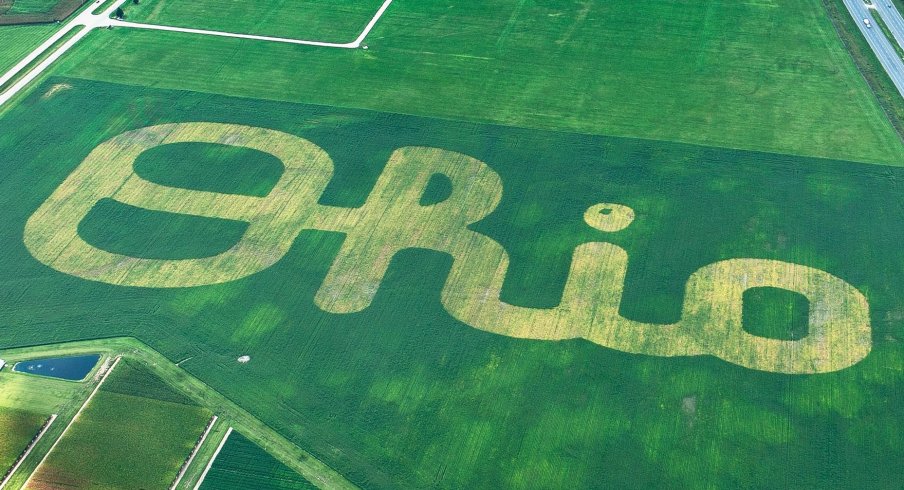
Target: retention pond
73,368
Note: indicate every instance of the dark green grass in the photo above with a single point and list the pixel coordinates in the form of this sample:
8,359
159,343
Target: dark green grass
124,438
776,313
402,395
768,76
316,20
111,225
17,429
211,167
242,465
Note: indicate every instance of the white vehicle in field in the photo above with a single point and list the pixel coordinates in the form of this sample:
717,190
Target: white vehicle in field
867,23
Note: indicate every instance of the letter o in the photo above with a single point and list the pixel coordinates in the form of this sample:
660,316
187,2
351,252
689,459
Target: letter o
51,233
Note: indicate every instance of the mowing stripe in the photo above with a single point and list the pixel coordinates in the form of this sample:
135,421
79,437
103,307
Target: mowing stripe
80,410
212,459
28,451
194,452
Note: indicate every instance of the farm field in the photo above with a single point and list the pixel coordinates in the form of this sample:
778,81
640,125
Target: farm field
409,395
241,464
18,41
511,244
752,76
36,11
135,433
322,20
17,428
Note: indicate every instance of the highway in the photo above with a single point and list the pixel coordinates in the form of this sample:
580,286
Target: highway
880,44
892,18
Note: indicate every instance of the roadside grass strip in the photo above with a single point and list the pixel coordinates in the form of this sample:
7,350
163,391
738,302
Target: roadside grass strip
213,458
194,452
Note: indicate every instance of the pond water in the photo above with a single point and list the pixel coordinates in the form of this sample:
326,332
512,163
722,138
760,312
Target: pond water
72,368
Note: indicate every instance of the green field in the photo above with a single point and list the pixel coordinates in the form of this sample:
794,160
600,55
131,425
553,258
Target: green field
411,397
13,12
134,433
17,429
769,76
512,244
18,41
31,6
241,464
317,20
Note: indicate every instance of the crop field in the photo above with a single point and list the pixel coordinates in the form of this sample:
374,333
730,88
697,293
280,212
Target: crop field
242,465
753,76
511,244
17,428
36,11
323,20
395,374
135,433
18,41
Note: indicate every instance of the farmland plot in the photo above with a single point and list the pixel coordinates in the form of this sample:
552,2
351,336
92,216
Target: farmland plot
134,434
17,429
770,76
241,464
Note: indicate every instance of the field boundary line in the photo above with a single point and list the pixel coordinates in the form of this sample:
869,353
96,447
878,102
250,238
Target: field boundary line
212,459
74,418
31,446
194,452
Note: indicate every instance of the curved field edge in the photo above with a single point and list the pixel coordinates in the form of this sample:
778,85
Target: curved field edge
794,91
259,433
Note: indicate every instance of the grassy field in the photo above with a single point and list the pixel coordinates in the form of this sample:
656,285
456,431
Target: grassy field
402,394
317,20
769,76
18,41
136,433
17,429
242,465
35,393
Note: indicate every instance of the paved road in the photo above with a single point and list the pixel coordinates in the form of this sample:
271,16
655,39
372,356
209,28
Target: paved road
892,18
880,44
